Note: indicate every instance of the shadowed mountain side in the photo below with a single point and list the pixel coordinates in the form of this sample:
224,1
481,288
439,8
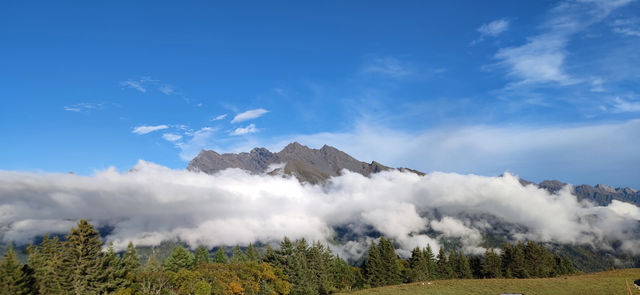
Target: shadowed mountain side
600,194
306,164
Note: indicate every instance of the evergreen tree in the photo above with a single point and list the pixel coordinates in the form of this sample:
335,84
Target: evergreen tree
444,268
130,265
419,267
202,255
178,259
517,265
82,259
463,268
319,263
373,267
431,262
112,272
11,275
344,276
389,260
452,260
491,264
238,256
220,257
153,264
47,264
253,254
476,266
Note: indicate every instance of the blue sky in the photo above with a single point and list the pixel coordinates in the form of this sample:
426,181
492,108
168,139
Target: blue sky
543,89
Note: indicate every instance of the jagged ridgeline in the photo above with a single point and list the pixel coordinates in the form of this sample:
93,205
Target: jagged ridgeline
318,165
310,165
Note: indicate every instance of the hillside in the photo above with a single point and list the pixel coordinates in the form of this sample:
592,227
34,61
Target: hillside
608,282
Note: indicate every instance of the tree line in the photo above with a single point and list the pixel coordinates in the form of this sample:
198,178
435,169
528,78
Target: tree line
79,265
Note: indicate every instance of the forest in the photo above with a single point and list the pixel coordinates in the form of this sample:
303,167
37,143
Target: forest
78,264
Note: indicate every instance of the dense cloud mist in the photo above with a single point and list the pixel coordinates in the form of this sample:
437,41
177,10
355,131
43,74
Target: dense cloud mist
151,204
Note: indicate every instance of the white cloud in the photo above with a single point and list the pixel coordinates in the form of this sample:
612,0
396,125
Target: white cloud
251,128
151,203
219,117
249,115
387,66
144,129
542,58
494,28
597,85
167,89
622,106
137,85
200,139
171,137
83,107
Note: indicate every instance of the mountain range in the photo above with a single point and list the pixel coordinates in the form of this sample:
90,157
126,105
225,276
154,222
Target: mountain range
318,165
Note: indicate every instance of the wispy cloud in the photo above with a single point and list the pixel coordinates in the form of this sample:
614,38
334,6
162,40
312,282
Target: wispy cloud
139,84
623,106
597,85
387,66
167,89
249,115
171,137
627,26
83,107
251,128
219,117
492,29
144,129
542,58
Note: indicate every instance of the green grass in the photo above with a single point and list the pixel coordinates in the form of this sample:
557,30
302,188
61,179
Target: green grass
608,282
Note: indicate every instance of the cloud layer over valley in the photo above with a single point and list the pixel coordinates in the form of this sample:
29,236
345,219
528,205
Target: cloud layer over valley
152,203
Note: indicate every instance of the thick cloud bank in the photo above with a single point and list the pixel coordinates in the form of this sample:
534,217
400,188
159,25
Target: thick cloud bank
151,204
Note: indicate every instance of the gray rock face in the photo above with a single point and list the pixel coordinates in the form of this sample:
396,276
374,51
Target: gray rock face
310,165
600,194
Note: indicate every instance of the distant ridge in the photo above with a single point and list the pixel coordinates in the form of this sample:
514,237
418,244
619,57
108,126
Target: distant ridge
306,164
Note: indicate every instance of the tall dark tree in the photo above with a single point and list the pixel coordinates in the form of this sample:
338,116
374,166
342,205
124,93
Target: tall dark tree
112,272
419,267
46,261
178,259
221,257
82,259
238,256
130,264
252,253
491,264
443,265
463,268
431,262
373,267
389,258
11,275
202,255
452,260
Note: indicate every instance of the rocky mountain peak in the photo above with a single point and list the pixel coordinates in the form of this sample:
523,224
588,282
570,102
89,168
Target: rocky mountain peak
307,164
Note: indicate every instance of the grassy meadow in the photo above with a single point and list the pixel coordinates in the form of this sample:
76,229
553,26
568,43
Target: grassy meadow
608,282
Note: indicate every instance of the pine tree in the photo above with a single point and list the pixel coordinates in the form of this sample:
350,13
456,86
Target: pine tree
202,255
47,264
491,264
113,276
220,257
389,261
82,259
419,267
518,265
130,265
463,268
253,254
373,267
431,262
238,256
11,275
178,259
319,264
452,260
444,268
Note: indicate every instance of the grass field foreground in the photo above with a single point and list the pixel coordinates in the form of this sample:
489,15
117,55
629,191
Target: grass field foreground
608,282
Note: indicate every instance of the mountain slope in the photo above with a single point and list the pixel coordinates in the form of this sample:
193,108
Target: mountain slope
307,164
